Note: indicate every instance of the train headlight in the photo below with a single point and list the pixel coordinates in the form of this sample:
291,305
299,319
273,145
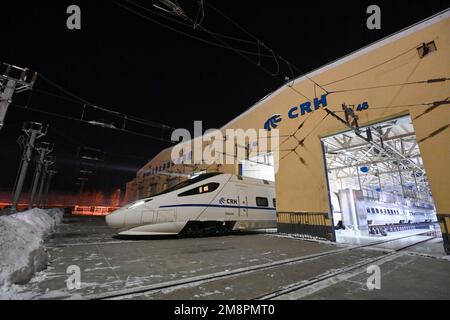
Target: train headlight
137,204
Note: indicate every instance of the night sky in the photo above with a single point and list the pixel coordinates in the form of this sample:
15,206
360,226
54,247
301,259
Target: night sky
121,61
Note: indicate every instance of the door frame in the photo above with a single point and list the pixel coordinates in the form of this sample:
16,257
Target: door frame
243,203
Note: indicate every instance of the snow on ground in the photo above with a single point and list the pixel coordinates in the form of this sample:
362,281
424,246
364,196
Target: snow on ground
22,252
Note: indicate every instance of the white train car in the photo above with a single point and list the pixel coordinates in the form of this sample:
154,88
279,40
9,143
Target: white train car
386,214
382,217
212,202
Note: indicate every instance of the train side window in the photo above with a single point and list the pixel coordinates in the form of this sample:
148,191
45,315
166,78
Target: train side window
376,209
368,210
372,209
210,187
262,202
274,202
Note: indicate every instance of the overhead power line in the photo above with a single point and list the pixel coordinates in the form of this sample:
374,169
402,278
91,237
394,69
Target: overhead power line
370,68
429,81
84,103
90,123
188,25
78,143
259,42
276,58
179,31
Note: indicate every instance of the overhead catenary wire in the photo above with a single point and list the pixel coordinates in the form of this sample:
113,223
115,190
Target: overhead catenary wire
259,66
84,102
225,44
188,25
429,81
289,86
200,13
259,42
222,44
87,122
180,31
371,67
78,143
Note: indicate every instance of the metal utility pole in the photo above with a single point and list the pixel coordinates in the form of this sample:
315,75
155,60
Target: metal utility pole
13,79
47,163
43,150
33,131
51,173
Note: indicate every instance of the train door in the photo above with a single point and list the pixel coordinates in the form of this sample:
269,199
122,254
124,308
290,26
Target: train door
243,202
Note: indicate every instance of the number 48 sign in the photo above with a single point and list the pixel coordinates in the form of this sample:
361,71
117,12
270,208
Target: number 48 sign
362,106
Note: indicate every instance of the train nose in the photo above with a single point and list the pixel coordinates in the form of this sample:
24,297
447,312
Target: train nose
116,219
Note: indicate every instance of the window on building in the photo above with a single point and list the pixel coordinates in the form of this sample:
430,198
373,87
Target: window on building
262,202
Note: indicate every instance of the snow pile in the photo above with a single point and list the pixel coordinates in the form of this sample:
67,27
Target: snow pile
21,244
56,215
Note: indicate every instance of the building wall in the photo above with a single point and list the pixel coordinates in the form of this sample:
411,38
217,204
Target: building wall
301,181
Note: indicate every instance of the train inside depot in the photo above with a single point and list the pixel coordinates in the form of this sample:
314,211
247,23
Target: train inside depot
378,192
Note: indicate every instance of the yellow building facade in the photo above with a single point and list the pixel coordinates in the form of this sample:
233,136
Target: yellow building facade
404,74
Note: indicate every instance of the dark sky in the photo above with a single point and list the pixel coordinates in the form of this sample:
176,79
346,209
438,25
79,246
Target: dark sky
121,61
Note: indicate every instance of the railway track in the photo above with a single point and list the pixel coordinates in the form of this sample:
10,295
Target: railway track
282,293
193,281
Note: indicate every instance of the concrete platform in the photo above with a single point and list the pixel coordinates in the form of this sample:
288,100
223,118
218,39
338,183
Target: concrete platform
109,264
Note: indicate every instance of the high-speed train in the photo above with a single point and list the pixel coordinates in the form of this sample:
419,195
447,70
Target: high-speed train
212,202
355,212
384,214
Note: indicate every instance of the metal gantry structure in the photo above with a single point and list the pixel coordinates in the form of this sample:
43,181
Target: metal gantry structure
397,168
13,79
33,131
50,174
42,175
43,150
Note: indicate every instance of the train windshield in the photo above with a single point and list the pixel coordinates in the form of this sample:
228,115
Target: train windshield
189,182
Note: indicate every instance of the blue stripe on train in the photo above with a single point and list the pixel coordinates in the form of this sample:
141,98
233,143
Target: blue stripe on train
214,206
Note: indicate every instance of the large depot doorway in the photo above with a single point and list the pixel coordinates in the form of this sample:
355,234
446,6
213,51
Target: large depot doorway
378,189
